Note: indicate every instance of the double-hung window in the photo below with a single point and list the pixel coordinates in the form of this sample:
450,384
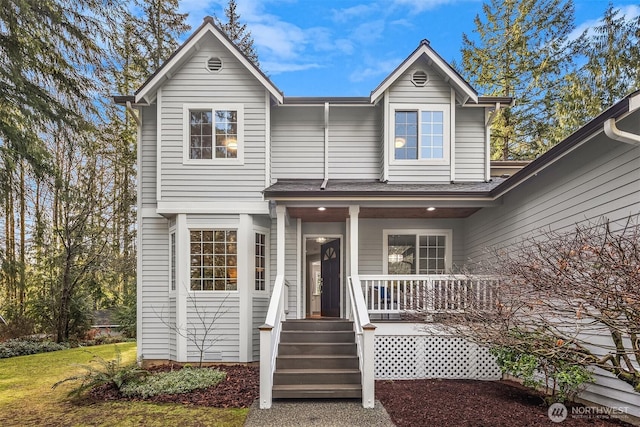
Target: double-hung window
420,133
213,133
213,260
260,261
418,251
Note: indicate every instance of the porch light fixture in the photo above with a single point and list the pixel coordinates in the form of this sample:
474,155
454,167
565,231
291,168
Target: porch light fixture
431,209
322,208
321,240
399,142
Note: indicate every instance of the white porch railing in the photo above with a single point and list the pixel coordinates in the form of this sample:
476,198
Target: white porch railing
270,338
435,293
365,340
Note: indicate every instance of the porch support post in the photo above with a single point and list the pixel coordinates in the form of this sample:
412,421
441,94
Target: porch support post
281,213
353,239
352,229
368,366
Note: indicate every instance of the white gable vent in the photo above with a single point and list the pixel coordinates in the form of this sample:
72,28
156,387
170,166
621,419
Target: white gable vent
419,78
214,64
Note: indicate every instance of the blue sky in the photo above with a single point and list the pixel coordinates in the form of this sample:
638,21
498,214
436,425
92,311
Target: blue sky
347,47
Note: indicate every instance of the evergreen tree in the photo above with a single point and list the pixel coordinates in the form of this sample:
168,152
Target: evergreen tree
611,71
50,51
238,32
158,31
522,51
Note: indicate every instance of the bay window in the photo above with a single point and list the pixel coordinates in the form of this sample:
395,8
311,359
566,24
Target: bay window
213,260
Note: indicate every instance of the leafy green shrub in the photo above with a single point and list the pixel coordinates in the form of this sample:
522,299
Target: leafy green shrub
108,372
22,347
561,379
174,382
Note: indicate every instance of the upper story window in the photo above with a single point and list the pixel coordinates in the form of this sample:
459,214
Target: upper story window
214,133
420,133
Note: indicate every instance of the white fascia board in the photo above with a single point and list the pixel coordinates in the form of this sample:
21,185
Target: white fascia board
151,86
228,206
458,83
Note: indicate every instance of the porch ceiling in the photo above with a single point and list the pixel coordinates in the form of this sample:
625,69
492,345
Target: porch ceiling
341,214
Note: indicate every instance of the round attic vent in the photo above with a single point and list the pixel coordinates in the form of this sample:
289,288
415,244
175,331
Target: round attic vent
214,64
419,78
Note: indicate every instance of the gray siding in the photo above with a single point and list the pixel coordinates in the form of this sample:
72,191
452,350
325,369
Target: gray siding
154,336
291,269
469,144
173,350
297,142
353,142
599,179
194,84
260,307
205,308
148,158
436,91
371,245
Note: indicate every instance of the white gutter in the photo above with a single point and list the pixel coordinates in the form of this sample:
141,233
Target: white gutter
612,131
326,143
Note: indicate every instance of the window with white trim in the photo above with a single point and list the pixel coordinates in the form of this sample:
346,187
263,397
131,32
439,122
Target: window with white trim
418,252
172,269
213,260
261,262
420,133
213,133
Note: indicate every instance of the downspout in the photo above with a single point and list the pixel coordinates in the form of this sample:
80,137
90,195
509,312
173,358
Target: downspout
487,125
326,146
612,131
133,113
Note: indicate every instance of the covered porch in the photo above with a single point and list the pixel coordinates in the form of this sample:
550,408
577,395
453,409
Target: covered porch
375,257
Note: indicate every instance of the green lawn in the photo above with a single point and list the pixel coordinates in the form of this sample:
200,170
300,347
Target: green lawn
26,397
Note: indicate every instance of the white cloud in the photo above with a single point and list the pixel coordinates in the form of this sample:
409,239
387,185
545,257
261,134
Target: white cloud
629,12
418,6
349,14
380,69
280,67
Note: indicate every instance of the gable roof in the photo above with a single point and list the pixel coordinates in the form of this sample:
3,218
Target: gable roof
463,89
149,87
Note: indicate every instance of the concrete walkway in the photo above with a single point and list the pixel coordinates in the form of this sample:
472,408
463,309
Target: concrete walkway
318,413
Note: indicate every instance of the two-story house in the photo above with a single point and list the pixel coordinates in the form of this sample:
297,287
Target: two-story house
337,208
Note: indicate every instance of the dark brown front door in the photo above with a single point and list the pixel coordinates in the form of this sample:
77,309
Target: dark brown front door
330,273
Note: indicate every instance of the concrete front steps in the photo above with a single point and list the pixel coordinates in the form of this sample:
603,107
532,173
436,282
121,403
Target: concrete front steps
317,359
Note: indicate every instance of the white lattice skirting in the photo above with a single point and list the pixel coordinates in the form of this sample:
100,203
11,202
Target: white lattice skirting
403,357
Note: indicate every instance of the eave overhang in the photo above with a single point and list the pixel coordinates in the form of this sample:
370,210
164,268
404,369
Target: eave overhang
146,93
463,90
573,141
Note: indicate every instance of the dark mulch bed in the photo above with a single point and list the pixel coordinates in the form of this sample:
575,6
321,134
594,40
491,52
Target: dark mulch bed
469,403
239,390
408,402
